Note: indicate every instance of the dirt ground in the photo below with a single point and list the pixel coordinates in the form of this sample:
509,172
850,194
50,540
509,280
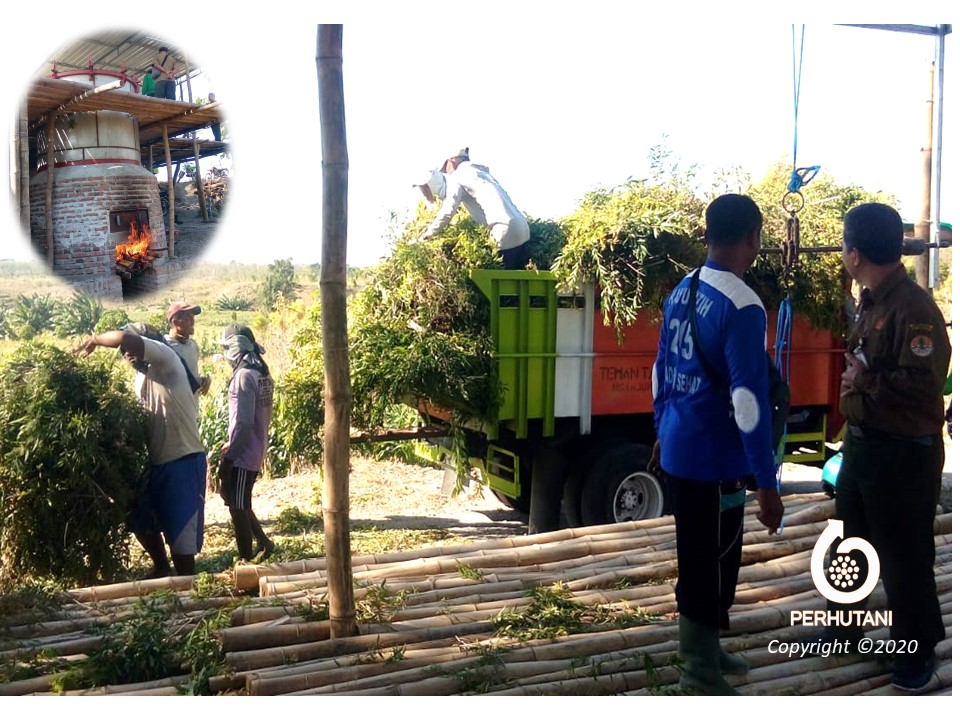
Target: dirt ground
389,495
193,236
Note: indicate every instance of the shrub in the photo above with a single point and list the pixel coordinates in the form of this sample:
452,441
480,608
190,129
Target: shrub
77,316
31,315
235,303
279,284
72,450
111,319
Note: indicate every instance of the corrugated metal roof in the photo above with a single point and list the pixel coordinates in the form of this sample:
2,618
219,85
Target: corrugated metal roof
114,50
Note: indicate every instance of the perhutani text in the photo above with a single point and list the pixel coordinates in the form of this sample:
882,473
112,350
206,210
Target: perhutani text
842,618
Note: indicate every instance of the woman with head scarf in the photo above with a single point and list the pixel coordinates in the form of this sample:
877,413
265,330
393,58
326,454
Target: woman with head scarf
251,406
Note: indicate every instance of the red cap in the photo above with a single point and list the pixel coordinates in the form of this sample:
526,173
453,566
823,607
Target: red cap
179,307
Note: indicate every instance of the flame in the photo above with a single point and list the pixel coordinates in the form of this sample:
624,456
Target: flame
137,244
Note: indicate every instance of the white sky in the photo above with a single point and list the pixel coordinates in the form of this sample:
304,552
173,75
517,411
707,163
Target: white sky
555,102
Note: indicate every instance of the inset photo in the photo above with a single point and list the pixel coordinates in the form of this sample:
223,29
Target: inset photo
123,161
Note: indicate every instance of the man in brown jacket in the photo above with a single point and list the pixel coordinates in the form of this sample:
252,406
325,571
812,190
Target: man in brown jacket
891,395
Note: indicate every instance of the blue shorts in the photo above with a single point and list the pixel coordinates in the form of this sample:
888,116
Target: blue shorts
175,493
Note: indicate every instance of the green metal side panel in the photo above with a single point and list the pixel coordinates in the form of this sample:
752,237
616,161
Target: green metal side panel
523,325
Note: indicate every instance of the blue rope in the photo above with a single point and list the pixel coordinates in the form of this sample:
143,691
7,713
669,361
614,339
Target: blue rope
781,359
800,176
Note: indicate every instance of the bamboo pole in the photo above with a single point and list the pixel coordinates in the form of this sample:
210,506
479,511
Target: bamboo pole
333,284
134,588
203,200
48,206
922,228
23,169
171,195
246,576
272,657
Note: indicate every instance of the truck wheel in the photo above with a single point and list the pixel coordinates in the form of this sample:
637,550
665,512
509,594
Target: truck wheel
520,504
618,488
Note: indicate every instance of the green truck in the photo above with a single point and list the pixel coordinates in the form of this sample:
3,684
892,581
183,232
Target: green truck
575,428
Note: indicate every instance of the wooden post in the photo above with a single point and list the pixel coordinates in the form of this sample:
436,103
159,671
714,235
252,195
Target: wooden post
23,170
51,137
150,156
333,304
923,222
199,177
171,197
189,86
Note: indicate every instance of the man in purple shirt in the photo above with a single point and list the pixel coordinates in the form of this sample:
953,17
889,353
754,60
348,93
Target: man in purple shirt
251,405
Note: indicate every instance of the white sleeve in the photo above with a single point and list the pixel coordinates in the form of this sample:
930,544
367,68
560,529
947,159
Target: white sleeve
449,207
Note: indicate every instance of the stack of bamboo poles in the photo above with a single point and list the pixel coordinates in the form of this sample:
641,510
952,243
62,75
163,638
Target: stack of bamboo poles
436,608
69,633
442,639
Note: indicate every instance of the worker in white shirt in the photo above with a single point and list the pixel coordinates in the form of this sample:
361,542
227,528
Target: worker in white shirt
466,183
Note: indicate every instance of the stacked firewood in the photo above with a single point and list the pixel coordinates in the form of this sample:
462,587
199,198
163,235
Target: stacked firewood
215,189
436,624
131,265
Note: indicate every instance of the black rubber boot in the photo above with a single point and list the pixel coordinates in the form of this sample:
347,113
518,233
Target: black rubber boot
731,664
243,533
265,546
700,654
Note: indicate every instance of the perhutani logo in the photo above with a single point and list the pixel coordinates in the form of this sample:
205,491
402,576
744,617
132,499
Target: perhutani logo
844,582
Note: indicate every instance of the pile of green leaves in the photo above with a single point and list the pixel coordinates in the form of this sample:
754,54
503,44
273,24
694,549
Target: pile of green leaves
157,641
634,242
72,450
552,612
419,327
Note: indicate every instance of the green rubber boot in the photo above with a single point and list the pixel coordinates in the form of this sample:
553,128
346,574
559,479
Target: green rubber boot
700,654
733,664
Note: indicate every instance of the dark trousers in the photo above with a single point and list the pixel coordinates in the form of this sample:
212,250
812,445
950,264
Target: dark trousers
887,493
709,542
515,258
166,89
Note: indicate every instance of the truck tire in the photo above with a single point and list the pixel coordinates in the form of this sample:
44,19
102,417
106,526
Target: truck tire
618,487
520,504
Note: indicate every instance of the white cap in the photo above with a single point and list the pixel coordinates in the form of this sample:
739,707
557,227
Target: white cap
435,181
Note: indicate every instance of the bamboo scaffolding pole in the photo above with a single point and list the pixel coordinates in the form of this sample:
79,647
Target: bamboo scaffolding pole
199,178
48,200
171,194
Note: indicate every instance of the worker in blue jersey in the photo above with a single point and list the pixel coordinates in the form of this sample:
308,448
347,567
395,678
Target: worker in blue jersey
723,412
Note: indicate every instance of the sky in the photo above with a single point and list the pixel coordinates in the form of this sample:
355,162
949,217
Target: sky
555,101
